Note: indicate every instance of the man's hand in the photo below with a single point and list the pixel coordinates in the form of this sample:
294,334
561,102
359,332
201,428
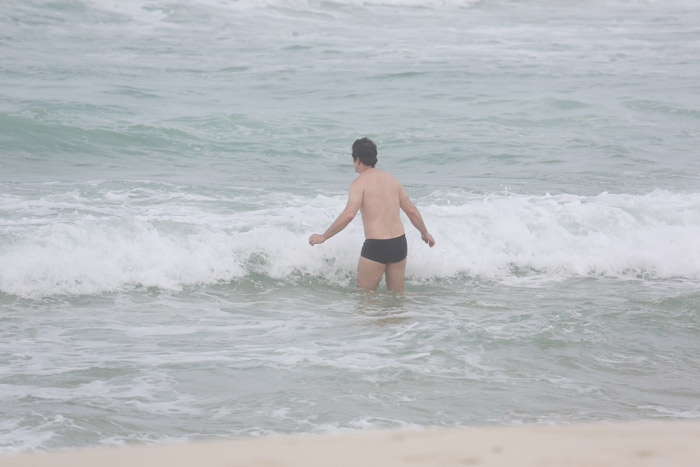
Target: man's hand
427,238
315,239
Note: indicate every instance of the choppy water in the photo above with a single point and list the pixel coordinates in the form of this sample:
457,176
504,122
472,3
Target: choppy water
162,164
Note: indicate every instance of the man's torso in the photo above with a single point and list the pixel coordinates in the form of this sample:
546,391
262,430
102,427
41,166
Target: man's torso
380,204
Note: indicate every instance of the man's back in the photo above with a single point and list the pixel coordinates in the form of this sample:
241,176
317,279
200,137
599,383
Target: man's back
381,194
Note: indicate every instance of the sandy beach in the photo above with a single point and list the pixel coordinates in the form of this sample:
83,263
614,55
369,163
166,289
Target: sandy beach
625,444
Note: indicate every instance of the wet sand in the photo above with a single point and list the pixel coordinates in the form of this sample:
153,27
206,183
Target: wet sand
618,444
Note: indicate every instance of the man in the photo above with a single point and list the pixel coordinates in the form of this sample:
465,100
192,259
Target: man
378,195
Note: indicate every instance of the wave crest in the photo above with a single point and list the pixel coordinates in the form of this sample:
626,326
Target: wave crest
169,240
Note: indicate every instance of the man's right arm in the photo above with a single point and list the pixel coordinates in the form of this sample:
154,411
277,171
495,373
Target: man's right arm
345,217
414,216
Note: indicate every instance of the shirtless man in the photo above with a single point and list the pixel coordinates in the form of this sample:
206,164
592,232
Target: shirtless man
378,195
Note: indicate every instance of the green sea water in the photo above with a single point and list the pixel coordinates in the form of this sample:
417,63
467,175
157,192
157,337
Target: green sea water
162,164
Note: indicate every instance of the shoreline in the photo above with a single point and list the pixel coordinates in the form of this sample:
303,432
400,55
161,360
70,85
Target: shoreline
615,444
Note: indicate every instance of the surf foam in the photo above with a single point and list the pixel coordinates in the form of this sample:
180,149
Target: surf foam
138,238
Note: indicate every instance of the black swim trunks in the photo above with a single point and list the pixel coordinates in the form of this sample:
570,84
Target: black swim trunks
391,250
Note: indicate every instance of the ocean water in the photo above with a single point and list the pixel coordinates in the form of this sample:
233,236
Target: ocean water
163,162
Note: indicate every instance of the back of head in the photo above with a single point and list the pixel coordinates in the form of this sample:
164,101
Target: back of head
366,151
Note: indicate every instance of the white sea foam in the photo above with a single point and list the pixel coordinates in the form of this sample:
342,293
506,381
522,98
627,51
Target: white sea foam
15,439
135,10
156,12
150,11
171,245
567,235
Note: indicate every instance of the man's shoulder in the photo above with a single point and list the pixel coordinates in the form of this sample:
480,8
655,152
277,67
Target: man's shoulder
358,184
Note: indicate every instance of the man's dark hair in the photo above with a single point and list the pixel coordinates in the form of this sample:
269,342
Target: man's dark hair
366,150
